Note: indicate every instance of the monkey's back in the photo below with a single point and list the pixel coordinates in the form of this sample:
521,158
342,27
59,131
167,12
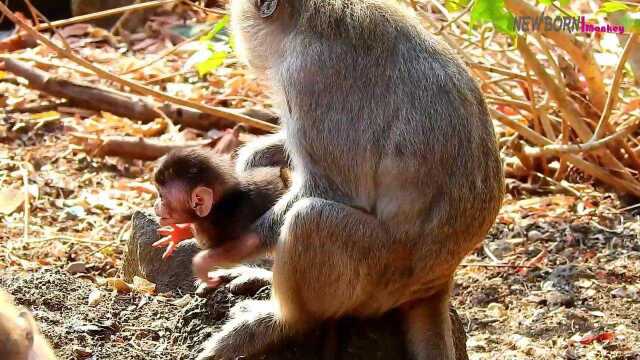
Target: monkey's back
258,191
423,156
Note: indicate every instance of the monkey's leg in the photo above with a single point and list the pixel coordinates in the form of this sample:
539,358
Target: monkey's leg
331,260
429,329
334,260
266,151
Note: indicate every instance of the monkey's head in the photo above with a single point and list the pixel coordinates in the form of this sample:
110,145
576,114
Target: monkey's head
17,331
260,28
189,183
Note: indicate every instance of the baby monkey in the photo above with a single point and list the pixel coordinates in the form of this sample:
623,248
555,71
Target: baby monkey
200,196
20,338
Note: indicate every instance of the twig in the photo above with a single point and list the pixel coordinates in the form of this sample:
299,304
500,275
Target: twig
38,108
118,25
567,107
27,208
121,104
102,14
624,185
511,102
202,8
579,53
456,18
224,113
615,86
560,184
468,264
590,146
166,53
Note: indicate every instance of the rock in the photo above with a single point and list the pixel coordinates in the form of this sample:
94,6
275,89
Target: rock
500,248
496,311
557,298
143,260
349,338
534,235
77,267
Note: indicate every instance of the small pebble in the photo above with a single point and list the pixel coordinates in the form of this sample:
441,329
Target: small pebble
77,267
534,235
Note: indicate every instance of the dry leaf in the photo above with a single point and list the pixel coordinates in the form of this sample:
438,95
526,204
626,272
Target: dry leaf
143,285
10,200
118,285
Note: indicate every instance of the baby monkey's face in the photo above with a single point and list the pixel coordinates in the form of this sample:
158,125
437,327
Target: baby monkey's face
173,205
177,204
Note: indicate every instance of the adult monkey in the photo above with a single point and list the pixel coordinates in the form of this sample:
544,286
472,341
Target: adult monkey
396,172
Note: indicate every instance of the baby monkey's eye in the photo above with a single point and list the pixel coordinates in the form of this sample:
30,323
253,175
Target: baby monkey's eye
267,7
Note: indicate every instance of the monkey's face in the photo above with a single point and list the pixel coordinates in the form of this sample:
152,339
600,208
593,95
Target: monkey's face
176,204
172,205
261,28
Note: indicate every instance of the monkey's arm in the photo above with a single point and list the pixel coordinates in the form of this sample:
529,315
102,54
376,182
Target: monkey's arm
265,151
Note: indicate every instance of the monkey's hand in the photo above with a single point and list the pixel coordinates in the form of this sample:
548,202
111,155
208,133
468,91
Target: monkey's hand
172,237
227,255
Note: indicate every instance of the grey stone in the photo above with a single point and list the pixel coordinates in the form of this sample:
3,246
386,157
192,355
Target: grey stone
143,260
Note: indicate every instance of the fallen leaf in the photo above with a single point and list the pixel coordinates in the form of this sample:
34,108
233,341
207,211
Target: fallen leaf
10,200
143,285
118,285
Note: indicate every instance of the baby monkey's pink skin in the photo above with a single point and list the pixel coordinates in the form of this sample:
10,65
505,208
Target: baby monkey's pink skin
173,236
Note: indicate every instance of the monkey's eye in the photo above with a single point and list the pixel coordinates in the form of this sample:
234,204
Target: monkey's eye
267,7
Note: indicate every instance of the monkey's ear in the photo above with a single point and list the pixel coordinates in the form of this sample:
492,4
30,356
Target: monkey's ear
28,325
202,199
266,8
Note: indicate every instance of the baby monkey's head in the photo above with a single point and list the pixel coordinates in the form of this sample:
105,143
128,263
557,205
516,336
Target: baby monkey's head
189,183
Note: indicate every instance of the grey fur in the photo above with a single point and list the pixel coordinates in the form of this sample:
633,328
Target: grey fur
396,172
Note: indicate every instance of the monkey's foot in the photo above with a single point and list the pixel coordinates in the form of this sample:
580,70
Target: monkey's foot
240,280
172,237
253,328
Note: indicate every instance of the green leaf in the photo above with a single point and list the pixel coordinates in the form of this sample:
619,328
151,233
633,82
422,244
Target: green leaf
631,22
221,24
613,6
212,63
456,5
493,11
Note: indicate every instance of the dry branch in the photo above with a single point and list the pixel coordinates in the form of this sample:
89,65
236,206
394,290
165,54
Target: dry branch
103,14
130,147
590,146
118,103
224,113
571,113
622,185
615,87
579,53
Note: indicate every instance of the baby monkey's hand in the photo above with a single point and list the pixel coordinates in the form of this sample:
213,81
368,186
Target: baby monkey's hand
174,235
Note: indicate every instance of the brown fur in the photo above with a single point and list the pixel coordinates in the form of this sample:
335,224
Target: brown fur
396,172
20,338
240,200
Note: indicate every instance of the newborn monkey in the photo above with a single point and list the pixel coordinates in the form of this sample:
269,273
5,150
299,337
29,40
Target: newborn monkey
199,194
20,338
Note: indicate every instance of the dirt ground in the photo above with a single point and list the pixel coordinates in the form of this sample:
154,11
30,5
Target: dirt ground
558,276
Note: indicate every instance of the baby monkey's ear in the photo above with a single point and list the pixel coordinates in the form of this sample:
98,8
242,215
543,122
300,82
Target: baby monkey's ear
28,324
202,199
